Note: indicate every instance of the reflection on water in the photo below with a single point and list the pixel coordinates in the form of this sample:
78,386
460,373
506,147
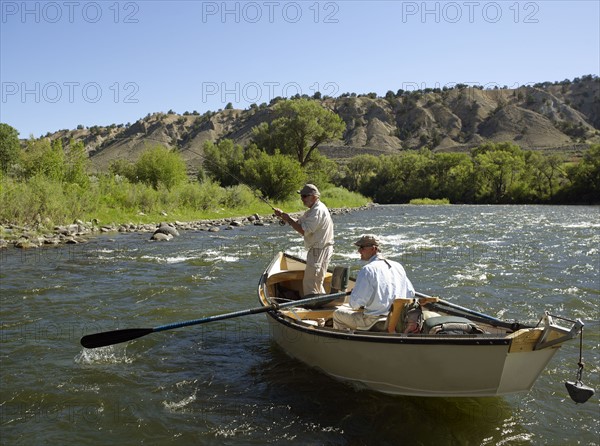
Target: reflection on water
226,383
361,416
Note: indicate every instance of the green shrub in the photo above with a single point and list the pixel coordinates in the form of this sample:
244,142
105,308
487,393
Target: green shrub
223,162
338,197
238,197
122,168
276,176
429,201
10,148
319,170
206,196
160,166
36,199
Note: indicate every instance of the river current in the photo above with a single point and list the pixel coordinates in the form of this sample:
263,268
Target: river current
226,383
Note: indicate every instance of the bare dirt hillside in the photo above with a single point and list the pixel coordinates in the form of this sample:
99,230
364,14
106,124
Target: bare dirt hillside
561,116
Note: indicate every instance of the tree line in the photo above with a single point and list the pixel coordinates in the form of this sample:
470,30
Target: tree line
492,173
284,153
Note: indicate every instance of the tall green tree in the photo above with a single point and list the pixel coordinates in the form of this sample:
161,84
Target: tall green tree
402,177
454,177
585,177
10,147
498,171
299,127
547,174
160,166
359,170
277,176
591,168
223,161
76,164
43,157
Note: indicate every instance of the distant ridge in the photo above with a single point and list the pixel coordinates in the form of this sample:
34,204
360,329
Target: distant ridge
561,116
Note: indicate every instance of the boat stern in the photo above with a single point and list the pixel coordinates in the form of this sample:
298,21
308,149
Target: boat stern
531,350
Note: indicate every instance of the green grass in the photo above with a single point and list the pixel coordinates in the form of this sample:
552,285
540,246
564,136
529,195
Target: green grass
45,203
438,201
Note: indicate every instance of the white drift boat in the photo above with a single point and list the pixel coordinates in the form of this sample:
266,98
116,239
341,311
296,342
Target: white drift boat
458,352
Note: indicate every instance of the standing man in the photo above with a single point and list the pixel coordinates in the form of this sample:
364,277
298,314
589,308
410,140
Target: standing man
317,228
378,283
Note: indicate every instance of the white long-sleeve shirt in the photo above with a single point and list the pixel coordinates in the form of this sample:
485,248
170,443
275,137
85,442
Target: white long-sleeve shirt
378,283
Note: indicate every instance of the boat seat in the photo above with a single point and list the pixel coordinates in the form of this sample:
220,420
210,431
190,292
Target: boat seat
393,321
339,279
394,317
285,276
429,314
379,325
390,322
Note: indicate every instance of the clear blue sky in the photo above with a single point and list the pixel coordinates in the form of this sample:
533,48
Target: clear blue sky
66,63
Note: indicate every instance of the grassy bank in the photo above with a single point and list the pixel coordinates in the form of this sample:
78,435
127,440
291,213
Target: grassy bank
45,203
429,201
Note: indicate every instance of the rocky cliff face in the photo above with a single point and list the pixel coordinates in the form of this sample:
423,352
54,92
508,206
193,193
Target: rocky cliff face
560,117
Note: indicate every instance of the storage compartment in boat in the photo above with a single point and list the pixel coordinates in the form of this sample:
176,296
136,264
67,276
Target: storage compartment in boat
286,285
286,281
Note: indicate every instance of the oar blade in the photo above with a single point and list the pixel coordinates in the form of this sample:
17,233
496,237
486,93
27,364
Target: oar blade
113,337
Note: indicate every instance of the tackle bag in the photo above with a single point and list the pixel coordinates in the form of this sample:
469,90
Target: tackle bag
450,325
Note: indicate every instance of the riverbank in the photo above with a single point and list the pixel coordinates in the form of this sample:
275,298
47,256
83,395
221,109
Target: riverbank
36,236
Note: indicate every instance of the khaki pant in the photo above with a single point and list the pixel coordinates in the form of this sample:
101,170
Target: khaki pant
346,317
317,261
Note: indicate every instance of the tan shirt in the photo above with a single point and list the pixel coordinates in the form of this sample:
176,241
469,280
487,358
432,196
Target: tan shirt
317,225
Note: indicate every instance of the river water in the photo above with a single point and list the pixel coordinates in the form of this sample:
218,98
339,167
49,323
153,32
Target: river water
226,383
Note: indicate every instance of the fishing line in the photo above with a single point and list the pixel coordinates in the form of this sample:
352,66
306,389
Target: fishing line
203,158
260,197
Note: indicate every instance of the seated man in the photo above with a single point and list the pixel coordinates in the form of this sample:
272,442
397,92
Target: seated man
378,283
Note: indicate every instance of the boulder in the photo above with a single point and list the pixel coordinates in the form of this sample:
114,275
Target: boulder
161,237
168,229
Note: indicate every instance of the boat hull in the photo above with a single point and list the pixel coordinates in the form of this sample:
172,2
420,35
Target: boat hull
415,368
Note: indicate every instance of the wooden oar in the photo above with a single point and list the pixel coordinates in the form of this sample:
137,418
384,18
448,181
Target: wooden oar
445,305
116,336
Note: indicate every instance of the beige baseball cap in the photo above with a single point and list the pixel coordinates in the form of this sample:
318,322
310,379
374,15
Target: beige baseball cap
368,240
309,189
